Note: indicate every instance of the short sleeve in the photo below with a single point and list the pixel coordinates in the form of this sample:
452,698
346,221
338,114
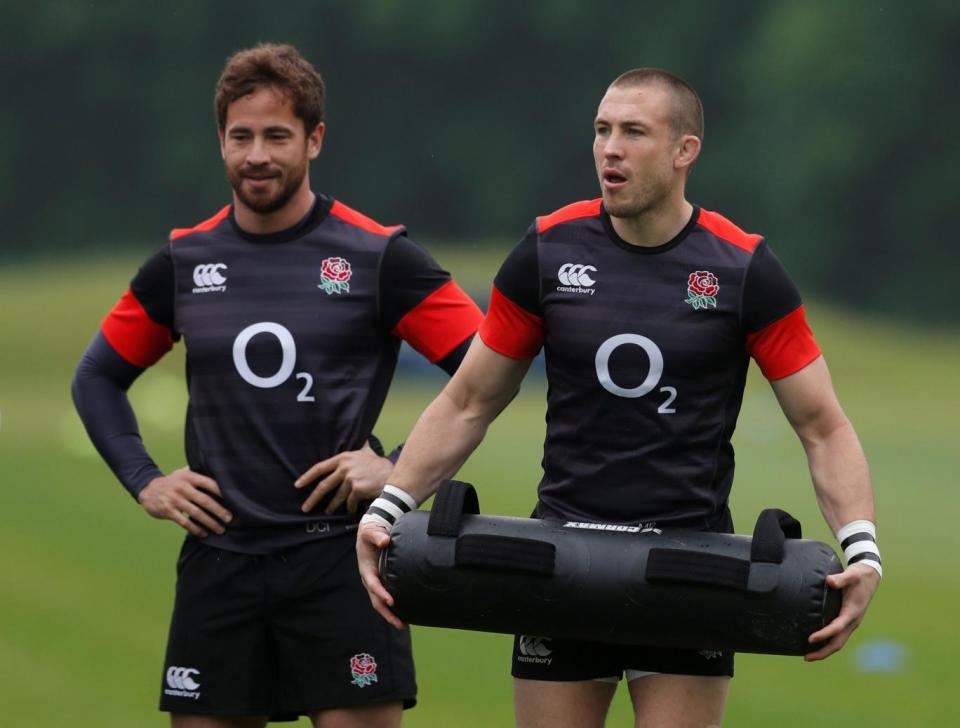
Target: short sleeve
774,322
421,303
514,323
140,327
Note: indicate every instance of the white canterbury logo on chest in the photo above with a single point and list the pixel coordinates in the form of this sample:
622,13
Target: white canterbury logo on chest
576,278
208,278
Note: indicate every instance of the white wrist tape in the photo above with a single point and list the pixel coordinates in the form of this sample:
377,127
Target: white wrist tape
392,503
858,539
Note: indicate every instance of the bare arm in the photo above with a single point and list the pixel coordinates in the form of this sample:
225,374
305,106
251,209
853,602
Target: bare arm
838,466
449,429
454,424
841,481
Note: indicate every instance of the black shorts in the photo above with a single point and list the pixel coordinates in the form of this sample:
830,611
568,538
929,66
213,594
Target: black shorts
280,635
542,658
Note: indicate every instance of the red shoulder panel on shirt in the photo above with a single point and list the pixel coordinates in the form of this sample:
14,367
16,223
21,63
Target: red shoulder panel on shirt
440,322
208,224
511,330
726,230
348,214
133,334
785,346
574,211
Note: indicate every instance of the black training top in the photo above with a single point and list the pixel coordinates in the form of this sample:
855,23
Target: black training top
291,343
646,353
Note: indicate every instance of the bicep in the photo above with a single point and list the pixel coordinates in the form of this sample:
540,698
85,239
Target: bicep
808,400
486,381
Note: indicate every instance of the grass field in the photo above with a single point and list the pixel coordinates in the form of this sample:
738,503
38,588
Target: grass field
88,577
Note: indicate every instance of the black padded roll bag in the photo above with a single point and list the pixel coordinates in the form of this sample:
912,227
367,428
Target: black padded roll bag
454,568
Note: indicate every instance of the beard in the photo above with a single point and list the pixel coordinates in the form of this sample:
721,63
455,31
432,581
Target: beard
264,202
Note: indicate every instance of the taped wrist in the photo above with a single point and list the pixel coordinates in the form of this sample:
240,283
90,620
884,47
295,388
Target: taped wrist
392,503
858,539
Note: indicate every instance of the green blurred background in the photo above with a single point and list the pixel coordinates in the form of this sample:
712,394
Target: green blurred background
830,129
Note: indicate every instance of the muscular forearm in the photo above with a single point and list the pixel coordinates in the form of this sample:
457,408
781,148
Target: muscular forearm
443,438
840,475
456,421
837,463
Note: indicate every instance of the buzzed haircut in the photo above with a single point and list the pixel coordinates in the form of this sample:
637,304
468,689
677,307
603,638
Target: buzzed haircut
274,66
687,112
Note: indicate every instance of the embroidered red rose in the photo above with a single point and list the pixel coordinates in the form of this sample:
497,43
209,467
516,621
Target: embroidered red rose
363,668
334,274
336,269
703,283
702,288
363,664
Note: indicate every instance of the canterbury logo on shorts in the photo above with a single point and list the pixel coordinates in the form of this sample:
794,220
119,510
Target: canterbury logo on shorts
534,649
182,682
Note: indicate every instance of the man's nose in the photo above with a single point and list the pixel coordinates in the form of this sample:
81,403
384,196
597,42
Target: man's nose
258,153
612,147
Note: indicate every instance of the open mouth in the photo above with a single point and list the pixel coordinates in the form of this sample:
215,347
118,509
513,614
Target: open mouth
613,179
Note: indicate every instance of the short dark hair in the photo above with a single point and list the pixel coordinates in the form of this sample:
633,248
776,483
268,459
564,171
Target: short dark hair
271,65
687,116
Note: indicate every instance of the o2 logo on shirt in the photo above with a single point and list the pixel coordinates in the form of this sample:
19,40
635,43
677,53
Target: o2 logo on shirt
287,363
602,363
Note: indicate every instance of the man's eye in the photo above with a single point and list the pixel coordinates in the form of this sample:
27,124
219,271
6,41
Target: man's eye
635,132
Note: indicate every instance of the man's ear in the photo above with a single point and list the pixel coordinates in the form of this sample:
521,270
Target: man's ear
687,151
315,140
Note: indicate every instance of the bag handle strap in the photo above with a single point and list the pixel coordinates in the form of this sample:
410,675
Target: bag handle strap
773,528
759,574
453,499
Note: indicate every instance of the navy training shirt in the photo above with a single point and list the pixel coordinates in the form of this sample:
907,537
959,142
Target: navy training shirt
291,343
646,350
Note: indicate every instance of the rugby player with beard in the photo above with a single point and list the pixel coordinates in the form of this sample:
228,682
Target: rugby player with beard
292,307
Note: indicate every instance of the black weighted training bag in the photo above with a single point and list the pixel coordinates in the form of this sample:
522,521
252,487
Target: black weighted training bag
453,568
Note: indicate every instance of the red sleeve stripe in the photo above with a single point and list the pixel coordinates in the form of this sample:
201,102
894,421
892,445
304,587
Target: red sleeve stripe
208,224
726,230
133,334
784,347
440,322
574,211
363,222
511,330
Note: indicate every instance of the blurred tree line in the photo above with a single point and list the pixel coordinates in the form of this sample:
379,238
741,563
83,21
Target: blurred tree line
830,125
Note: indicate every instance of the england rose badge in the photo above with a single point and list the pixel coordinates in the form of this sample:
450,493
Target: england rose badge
702,289
335,274
363,668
